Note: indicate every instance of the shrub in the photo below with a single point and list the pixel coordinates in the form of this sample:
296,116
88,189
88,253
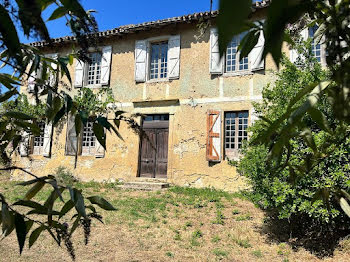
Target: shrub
291,190
65,177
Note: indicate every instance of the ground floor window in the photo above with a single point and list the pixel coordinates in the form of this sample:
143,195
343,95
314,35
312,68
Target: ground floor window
236,124
88,140
38,141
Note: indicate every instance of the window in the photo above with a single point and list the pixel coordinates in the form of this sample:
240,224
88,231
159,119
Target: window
232,62
88,140
94,69
156,118
159,60
38,141
236,124
315,48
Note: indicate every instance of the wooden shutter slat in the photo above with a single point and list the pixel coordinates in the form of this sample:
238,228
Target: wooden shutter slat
214,135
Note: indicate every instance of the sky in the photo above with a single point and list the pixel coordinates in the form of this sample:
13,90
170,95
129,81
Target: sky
114,13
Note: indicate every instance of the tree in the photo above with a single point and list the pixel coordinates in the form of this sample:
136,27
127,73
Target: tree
26,16
277,135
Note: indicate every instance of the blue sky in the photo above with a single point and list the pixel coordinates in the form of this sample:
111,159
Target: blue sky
114,13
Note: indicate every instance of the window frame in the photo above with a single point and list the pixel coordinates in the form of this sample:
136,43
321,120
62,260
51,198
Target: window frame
87,150
237,63
150,41
232,153
38,150
86,71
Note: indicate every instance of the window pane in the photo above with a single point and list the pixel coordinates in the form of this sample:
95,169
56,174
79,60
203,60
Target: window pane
232,62
159,60
236,124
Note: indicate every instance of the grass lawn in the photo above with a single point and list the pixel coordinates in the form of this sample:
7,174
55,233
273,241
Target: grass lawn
179,224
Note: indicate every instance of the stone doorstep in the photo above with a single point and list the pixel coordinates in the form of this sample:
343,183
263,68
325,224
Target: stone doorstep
146,186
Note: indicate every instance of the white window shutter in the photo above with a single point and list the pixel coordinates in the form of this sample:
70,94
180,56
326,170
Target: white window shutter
24,144
71,139
215,63
293,53
256,63
174,57
99,150
214,136
106,64
47,140
79,73
140,60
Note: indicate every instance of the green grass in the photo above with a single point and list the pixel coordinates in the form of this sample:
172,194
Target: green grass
215,239
257,253
197,234
220,253
244,217
242,242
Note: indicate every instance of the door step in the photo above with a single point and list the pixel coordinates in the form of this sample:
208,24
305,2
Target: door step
146,186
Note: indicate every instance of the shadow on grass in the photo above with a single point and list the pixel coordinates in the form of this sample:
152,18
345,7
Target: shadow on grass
303,232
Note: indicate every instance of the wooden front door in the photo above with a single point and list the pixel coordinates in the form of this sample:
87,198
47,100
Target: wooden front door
154,147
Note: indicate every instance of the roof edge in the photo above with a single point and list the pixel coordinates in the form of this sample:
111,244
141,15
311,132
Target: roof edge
133,28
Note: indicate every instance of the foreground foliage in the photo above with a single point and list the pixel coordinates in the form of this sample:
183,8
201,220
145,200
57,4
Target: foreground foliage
19,118
282,188
278,134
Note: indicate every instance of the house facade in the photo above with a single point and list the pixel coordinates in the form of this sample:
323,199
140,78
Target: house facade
197,105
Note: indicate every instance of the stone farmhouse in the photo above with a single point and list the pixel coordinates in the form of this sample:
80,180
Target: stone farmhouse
198,105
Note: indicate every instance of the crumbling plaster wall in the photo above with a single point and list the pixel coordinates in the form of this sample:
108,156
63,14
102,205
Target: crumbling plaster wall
197,92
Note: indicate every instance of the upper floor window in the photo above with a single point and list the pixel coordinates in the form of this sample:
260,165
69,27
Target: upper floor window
232,61
159,60
95,72
315,47
94,69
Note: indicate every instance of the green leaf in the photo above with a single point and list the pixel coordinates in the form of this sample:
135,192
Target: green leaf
34,190
9,35
248,42
280,14
7,219
21,231
58,13
232,19
64,69
7,95
32,204
75,224
101,202
30,182
34,235
78,124
78,201
345,206
59,115
319,118
66,208
18,115
100,134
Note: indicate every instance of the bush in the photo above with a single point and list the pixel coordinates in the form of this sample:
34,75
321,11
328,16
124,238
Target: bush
65,177
289,191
